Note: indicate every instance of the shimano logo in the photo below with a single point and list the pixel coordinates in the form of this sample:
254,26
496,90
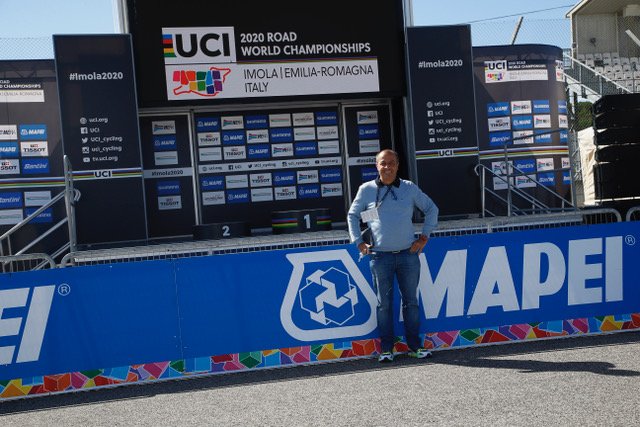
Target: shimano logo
26,347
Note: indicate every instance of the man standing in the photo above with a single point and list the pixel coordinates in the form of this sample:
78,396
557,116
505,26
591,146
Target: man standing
387,205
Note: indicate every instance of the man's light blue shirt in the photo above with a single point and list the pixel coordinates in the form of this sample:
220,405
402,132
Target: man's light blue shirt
393,230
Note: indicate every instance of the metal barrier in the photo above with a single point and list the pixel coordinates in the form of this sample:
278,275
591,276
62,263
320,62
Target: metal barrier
15,260
633,214
536,205
593,84
330,238
26,262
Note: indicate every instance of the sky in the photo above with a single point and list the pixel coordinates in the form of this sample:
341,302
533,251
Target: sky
42,18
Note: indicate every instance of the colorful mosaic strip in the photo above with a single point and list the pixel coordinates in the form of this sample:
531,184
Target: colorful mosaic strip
83,380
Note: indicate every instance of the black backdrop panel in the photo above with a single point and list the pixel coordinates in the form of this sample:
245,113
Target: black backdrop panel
367,131
440,67
168,175
99,119
278,44
31,168
252,163
523,120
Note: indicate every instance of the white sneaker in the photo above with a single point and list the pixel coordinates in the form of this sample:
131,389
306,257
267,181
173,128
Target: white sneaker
387,356
421,353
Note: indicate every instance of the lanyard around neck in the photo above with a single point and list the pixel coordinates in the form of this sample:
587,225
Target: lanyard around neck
389,190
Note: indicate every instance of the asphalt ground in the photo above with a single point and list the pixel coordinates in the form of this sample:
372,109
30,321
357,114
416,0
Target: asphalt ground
581,381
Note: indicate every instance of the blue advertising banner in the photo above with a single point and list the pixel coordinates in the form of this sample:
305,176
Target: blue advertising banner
74,319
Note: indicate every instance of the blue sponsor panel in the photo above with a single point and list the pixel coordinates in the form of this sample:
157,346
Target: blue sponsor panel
566,177
118,315
562,106
44,217
499,138
525,165
238,196
281,135
207,124
368,173
330,175
164,143
284,178
168,188
258,151
233,137
9,150
522,122
308,191
85,318
541,106
256,122
547,178
212,183
542,136
13,199
37,132
324,118
306,148
368,132
564,136
35,166
498,109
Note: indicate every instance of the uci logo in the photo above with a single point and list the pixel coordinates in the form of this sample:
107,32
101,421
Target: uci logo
495,65
198,45
327,297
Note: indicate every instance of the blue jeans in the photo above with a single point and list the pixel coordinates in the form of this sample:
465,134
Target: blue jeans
406,267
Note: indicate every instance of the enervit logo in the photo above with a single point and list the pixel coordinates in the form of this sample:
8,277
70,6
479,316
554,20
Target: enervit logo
206,83
232,122
257,136
198,45
163,127
521,107
35,322
327,297
366,117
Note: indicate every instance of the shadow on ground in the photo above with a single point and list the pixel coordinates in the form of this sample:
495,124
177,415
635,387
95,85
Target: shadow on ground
475,357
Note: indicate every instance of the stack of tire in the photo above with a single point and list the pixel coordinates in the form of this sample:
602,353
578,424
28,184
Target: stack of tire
616,123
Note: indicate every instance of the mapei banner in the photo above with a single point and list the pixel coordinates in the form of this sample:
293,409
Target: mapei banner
208,51
83,318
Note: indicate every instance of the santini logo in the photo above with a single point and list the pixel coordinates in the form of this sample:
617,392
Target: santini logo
35,323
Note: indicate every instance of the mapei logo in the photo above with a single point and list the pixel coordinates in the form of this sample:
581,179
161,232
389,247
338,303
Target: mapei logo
207,83
327,297
35,304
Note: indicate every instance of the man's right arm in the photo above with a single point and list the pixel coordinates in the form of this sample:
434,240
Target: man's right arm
353,217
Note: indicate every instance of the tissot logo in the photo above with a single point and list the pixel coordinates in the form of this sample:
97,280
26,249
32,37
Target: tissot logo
198,45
